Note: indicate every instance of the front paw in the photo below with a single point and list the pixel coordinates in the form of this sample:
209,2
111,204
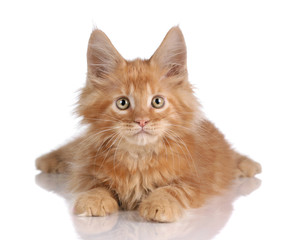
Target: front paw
160,208
96,202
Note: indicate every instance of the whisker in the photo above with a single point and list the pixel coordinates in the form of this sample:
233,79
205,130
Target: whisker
97,152
94,135
106,142
166,155
192,129
115,155
189,154
106,155
171,150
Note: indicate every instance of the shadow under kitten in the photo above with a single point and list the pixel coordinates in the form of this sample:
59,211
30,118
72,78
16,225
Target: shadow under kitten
201,224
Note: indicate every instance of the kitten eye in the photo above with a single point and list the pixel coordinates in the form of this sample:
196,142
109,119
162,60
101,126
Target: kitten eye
122,103
158,102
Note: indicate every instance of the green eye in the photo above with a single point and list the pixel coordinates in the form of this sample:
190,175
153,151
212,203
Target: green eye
158,102
122,103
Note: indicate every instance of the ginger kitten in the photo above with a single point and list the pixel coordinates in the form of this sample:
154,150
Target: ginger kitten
147,145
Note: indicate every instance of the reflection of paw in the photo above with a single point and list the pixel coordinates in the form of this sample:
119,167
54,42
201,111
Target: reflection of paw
97,202
89,227
249,185
160,209
248,168
49,163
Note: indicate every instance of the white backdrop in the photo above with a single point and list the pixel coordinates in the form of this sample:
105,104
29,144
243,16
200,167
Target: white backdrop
236,60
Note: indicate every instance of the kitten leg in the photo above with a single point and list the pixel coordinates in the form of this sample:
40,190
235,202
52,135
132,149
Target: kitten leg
246,167
95,202
166,204
56,161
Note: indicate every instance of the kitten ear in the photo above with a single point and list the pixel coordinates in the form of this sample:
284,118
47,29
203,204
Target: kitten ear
102,57
171,55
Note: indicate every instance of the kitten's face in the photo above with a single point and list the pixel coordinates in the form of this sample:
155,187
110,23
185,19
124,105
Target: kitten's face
140,106
141,109
138,102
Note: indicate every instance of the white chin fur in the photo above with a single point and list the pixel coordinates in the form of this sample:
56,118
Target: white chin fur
142,139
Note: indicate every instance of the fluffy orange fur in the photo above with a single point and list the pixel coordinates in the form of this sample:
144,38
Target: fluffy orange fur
159,158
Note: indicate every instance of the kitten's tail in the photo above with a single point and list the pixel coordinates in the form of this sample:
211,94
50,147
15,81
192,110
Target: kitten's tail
57,161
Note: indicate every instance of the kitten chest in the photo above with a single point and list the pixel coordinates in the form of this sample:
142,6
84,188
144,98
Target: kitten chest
133,187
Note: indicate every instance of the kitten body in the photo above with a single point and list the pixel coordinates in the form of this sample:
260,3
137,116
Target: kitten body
147,144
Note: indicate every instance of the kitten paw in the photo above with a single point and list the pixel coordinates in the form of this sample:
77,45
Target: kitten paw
97,202
248,168
160,209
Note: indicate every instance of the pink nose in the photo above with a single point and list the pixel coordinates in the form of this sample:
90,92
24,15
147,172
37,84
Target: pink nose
142,123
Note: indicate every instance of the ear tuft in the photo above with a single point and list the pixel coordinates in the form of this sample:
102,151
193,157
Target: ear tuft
171,55
102,57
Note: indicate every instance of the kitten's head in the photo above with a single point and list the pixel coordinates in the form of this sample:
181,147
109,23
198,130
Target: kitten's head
140,102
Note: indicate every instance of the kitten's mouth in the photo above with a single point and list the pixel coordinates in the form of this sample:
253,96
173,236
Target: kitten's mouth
142,137
142,131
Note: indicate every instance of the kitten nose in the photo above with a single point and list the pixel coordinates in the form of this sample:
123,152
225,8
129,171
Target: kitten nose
142,123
